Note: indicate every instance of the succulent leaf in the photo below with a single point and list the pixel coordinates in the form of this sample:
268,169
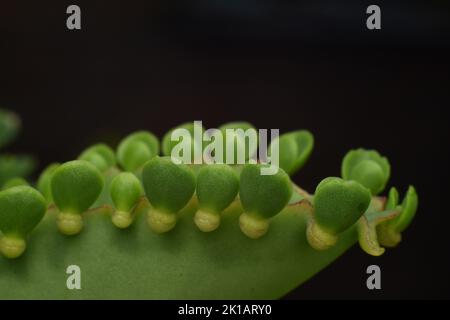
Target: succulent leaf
341,212
75,186
100,155
125,191
44,181
9,127
392,200
195,142
15,182
367,230
168,187
12,166
136,149
262,197
238,141
338,204
367,167
294,149
409,207
390,232
217,187
21,209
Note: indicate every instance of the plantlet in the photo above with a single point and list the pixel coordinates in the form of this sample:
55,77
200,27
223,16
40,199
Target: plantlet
125,192
100,155
296,147
389,232
234,134
169,187
235,233
262,197
21,209
169,142
368,168
217,188
15,182
44,182
338,205
75,186
9,127
12,166
136,149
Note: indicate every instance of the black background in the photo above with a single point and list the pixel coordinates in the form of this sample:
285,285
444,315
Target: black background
285,64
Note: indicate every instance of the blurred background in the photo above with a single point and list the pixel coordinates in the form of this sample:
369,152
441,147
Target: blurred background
278,64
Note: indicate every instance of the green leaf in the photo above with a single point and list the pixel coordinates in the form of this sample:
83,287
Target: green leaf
136,149
75,186
168,143
21,209
15,182
368,168
9,127
367,230
390,232
235,137
262,197
100,155
338,204
185,264
217,188
168,187
125,191
15,166
44,181
294,149
409,207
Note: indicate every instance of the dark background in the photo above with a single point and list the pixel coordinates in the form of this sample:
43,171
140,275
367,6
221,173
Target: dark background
278,64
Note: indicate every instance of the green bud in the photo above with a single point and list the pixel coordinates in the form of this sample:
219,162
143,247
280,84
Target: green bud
338,204
262,197
9,127
100,155
389,232
169,187
21,209
12,166
44,182
15,182
294,149
238,141
409,207
75,187
392,200
368,168
125,192
136,149
195,143
217,187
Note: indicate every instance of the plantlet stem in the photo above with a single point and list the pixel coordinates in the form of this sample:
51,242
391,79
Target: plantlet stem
161,222
69,223
253,227
318,238
207,221
122,219
12,247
